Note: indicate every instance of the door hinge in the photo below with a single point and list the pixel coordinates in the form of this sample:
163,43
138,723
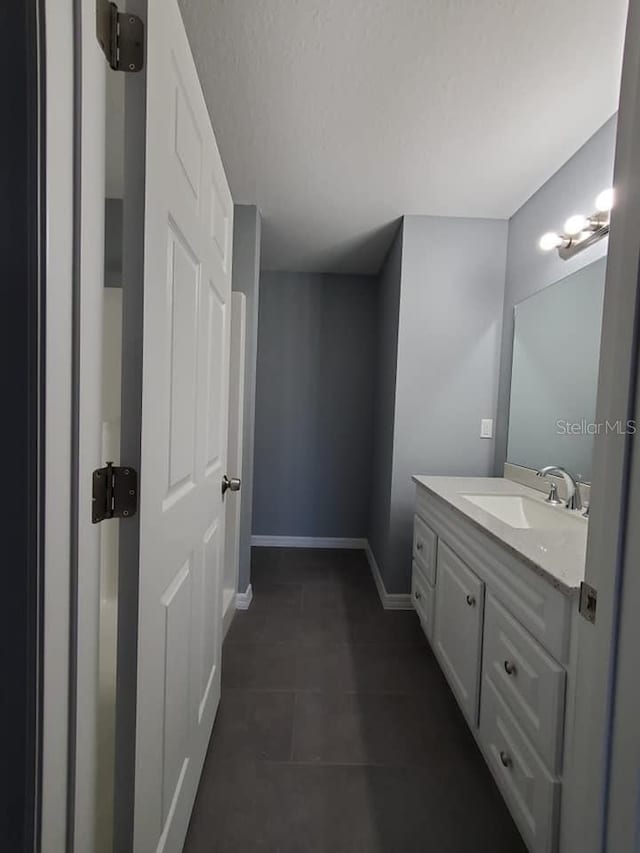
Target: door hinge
115,493
121,37
588,602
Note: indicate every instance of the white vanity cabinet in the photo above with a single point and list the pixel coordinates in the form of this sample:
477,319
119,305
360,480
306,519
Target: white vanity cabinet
502,635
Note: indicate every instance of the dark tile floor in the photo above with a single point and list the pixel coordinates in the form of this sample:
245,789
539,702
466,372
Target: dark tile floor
336,729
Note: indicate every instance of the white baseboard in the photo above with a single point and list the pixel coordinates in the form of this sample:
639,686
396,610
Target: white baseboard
244,599
305,542
389,600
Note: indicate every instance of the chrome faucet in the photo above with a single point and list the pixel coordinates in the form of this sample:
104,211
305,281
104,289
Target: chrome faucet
574,500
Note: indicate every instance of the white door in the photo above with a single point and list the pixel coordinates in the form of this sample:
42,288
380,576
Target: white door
187,288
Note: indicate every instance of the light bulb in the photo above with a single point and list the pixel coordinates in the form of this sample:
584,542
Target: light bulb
605,200
576,224
550,241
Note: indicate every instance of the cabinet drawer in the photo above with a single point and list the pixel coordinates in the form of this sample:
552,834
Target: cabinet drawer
527,678
423,598
532,794
458,628
425,544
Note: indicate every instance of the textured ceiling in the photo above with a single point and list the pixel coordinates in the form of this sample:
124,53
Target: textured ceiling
336,117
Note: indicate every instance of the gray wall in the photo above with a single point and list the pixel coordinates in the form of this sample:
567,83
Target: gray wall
314,404
246,278
385,398
448,353
572,189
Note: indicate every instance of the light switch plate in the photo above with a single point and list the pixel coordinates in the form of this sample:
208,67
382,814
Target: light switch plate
486,428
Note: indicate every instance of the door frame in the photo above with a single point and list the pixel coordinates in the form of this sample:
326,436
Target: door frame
74,259
588,810
133,218
60,48
75,262
616,470
621,795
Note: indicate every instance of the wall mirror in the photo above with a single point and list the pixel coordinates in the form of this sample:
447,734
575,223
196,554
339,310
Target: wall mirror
556,350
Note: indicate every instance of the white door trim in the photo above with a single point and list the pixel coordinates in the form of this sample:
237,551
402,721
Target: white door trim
133,218
234,456
59,103
89,158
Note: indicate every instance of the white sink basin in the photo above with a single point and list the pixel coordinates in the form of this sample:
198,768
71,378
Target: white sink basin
524,512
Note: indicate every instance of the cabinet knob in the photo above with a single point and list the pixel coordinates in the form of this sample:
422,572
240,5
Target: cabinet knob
505,758
419,546
418,594
510,667
471,600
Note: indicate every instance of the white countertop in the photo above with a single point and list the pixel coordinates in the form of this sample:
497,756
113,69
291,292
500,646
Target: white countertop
558,554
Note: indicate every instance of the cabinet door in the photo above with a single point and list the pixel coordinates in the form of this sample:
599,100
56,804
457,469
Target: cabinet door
531,792
422,597
425,544
458,628
528,679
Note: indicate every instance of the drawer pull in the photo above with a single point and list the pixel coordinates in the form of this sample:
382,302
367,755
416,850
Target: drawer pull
509,667
419,546
505,759
418,594
471,600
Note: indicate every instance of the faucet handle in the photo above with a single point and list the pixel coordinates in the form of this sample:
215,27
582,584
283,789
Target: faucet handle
553,497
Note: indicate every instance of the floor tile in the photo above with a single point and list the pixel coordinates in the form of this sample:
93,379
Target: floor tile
290,808
360,626
388,626
253,724
308,565
277,598
370,728
337,731
267,666
352,599
367,668
265,626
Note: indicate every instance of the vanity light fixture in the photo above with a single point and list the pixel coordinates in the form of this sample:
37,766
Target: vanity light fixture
581,231
551,240
604,202
576,224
